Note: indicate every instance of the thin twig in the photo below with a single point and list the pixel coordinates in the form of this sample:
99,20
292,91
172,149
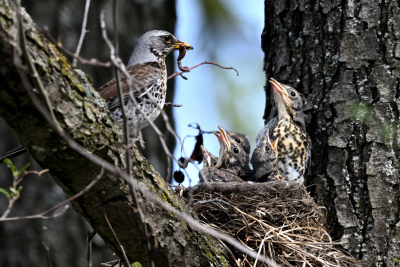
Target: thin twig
43,214
93,61
115,235
117,64
83,32
47,254
205,62
32,70
212,200
89,238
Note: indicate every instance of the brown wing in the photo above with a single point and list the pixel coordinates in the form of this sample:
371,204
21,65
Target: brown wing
147,74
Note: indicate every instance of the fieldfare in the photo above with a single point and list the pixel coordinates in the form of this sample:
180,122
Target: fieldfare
294,148
211,174
234,151
147,68
264,161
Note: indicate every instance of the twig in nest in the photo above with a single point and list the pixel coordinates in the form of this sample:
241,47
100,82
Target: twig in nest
212,200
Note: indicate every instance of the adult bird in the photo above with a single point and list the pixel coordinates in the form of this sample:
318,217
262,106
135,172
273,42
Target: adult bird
149,87
234,151
147,68
264,161
294,149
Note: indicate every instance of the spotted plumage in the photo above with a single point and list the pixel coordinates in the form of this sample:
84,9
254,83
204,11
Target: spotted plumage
149,80
264,161
294,148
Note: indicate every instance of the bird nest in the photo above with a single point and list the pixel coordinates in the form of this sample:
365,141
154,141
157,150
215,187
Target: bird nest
277,219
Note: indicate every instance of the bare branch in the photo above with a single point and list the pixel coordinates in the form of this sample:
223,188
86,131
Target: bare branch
83,32
93,61
43,214
115,235
205,62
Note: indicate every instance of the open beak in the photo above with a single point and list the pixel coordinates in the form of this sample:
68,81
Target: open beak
178,44
206,157
277,87
224,138
225,146
274,144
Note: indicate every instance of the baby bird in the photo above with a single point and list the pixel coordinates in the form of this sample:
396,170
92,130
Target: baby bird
234,151
209,160
211,174
264,161
294,149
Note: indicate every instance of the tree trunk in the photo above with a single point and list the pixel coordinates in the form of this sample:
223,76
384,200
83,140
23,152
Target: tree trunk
64,20
83,114
344,57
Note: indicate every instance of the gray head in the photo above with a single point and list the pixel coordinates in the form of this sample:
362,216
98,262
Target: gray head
154,45
288,102
265,156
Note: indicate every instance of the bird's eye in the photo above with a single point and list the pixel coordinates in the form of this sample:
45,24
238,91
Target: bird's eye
266,148
235,150
293,93
167,38
237,141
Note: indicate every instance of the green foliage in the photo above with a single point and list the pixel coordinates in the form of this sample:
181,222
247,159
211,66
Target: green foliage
15,172
14,191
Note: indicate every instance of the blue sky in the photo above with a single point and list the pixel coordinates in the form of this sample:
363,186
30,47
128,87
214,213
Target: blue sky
212,96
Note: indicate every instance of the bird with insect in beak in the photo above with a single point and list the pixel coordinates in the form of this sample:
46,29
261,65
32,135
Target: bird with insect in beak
211,174
147,68
264,161
294,148
149,87
234,151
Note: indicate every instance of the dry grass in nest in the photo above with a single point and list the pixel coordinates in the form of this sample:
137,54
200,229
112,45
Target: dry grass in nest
278,220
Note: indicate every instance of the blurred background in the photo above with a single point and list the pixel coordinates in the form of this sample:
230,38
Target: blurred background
229,33
223,31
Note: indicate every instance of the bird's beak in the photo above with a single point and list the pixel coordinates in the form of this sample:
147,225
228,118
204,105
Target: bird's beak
206,157
178,44
224,138
277,87
274,144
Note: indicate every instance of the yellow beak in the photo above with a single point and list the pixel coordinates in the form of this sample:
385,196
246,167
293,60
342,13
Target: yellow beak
276,86
177,45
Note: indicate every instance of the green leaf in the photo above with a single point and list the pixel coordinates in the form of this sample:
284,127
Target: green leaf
2,190
24,168
13,190
12,167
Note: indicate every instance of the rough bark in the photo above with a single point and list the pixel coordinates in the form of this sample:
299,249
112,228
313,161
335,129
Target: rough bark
81,112
344,57
64,20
